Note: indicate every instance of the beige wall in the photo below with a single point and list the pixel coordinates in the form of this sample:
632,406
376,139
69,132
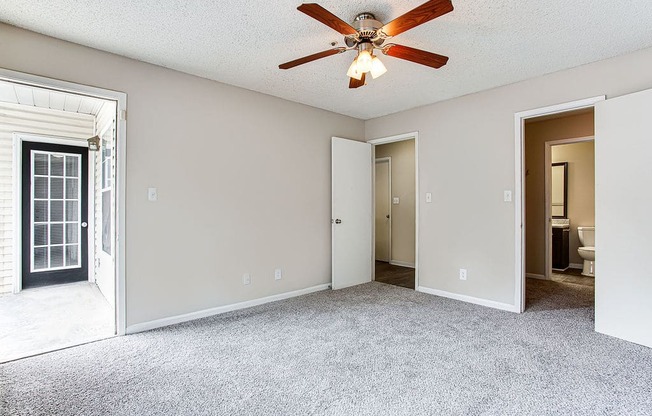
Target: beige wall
537,133
215,152
243,180
581,188
403,187
31,120
467,159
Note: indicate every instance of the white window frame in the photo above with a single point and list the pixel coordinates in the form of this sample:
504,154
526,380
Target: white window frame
103,179
49,268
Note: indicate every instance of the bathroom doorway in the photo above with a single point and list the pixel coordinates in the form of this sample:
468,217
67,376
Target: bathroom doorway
559,210
395,208
570,205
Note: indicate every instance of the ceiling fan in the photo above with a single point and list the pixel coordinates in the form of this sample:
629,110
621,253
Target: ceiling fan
367,34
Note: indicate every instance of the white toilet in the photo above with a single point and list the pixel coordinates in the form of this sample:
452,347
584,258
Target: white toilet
587,250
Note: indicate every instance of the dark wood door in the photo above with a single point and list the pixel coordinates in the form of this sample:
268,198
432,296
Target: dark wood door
54,214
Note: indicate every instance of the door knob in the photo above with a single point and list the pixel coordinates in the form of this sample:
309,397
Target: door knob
387,216
338,221
84,224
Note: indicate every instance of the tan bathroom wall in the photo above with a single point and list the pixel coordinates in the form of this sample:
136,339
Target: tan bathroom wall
403,187
581,188
537,133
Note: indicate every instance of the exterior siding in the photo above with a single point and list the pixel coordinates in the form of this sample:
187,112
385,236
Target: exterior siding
16,118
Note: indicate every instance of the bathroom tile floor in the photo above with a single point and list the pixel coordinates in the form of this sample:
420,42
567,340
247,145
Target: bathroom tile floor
572,276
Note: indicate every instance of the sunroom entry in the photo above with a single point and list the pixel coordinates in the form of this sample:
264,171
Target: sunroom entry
57,261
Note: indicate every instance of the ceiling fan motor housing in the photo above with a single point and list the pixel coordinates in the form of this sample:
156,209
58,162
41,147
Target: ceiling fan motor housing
367,27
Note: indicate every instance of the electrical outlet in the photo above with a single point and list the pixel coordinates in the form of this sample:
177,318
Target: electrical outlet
246,279
278,274
152,194
462,274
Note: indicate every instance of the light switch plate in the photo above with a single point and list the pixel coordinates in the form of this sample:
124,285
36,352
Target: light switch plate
428,197
507,196
395,200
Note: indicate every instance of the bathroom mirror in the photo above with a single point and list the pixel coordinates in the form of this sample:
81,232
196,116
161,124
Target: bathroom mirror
559,194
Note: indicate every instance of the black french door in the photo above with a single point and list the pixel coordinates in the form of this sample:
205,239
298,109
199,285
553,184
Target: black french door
54,214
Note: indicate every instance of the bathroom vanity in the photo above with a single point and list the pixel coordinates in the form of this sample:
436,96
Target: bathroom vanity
560,244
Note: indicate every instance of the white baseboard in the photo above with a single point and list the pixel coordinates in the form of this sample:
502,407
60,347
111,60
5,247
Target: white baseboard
158,323
401,263
576,265
469,299
536,276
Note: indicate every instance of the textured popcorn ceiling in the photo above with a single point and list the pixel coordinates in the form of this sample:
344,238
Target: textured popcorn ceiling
489,42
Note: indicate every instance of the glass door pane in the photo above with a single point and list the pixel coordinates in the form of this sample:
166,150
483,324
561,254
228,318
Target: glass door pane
55,224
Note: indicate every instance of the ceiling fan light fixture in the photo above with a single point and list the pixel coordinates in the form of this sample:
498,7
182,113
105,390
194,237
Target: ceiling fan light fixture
377,67
364,61
354,71
367,34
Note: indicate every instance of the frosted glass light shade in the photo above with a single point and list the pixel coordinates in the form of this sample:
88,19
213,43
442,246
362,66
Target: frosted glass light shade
364,61
354,71
377,67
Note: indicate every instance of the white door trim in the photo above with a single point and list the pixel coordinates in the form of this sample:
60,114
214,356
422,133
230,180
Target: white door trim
519,191
548,193
121,168
399,138
387,160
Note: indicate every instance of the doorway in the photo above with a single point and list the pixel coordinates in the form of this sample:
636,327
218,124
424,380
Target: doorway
395,208
353,227
66,200
383,211
544,227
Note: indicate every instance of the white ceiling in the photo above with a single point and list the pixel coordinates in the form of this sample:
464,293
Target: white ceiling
45,98
489,42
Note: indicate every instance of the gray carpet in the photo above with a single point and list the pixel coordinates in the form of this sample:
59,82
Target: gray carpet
375,349
542,295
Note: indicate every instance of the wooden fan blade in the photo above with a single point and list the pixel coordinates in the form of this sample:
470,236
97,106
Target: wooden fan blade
354,83
329,19
311,58
422,14
416,55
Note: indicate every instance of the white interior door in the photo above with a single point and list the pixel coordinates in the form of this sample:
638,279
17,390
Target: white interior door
383,206
623,224
351,212
105,213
